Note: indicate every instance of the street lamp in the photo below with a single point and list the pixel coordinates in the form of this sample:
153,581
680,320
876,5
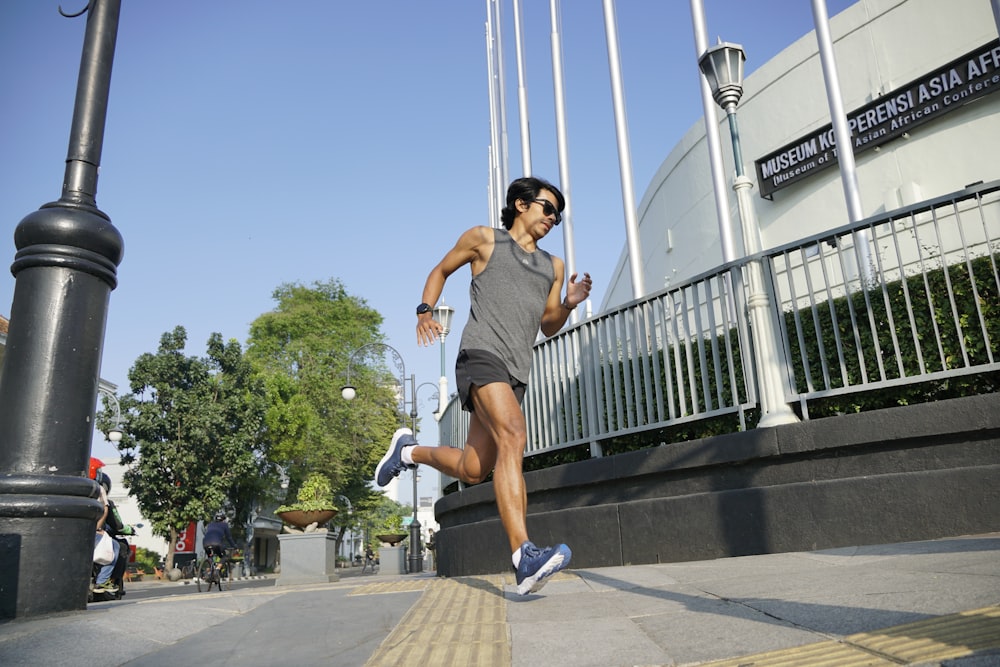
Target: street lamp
65,268
115,432
442,315
722,66
416,476
349,391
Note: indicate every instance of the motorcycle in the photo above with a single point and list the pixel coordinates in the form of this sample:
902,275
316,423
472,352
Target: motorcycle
117,578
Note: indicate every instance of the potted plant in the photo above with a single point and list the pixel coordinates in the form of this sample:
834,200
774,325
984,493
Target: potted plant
314,506
391,532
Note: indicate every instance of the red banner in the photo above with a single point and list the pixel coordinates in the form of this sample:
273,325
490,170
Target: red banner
186,540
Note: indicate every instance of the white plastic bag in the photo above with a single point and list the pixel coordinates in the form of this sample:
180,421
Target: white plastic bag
104,549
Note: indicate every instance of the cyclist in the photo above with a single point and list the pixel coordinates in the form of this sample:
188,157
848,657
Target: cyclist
217,534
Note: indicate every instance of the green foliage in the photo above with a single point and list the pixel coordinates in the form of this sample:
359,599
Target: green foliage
147,560
316,493
383,517
301,351
902,329
555,458
193,433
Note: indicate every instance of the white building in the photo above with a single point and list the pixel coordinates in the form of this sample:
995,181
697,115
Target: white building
917,80
128,508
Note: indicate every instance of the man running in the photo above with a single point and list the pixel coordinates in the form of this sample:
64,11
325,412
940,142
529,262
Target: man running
516,291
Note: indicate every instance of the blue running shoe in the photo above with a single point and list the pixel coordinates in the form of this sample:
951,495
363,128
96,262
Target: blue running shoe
391,464
538,564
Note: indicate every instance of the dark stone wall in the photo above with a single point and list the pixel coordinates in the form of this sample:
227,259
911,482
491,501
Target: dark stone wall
907,473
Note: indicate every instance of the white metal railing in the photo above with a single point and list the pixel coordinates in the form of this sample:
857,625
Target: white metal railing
926,307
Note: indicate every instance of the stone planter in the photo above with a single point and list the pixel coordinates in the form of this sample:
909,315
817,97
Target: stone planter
307,558
392,560
392,539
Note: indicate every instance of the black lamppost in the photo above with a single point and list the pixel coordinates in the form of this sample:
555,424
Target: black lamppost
65,268
349,392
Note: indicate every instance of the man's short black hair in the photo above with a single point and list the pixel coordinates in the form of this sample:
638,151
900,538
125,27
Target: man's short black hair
526,189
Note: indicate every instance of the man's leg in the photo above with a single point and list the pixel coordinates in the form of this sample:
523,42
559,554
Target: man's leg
497,437
105,574
471,464
502,418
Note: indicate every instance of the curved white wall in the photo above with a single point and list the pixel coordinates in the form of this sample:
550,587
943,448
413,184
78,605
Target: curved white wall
880,45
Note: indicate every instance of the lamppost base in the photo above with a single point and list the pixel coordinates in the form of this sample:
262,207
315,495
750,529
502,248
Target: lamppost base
777,418
39,516
416,559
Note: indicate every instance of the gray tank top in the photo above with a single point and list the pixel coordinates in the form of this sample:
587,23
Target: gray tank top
508,299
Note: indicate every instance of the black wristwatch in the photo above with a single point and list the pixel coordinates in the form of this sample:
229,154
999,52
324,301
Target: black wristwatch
423,308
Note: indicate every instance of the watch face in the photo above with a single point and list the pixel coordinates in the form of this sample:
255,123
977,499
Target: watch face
423,308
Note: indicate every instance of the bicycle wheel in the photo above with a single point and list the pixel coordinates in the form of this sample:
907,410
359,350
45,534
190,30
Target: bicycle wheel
204,577
222,572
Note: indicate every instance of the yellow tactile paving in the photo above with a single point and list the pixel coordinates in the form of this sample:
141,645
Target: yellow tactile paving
939,638
823,654
935,639
398,586
461,621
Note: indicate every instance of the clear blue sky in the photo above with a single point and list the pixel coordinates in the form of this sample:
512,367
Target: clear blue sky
253,143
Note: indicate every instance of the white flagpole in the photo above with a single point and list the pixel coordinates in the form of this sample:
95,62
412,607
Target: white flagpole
561,144
712,137
522,93
842,135
624,154
501,99
496,193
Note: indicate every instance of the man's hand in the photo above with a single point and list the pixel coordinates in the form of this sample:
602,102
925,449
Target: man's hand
577,292
428,329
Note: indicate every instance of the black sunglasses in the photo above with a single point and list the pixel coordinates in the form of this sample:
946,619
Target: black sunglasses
549,209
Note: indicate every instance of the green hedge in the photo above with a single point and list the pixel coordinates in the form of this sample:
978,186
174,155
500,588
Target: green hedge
885,330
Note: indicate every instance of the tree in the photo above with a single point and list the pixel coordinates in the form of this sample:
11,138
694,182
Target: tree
381,516
301,350
193,433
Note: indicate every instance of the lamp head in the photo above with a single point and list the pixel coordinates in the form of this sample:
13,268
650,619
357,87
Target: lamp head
348,392
115,434
722,66
442,315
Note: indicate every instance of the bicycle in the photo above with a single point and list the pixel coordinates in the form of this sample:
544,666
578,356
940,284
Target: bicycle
215,569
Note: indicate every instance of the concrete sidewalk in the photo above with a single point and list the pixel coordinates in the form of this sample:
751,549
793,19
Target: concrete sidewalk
924,603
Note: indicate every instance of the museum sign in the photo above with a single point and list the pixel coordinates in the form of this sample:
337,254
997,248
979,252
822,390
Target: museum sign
961,81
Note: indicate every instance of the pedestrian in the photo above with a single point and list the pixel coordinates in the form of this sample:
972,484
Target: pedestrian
516,291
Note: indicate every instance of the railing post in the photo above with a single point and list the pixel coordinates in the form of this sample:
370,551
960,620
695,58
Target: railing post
588,389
